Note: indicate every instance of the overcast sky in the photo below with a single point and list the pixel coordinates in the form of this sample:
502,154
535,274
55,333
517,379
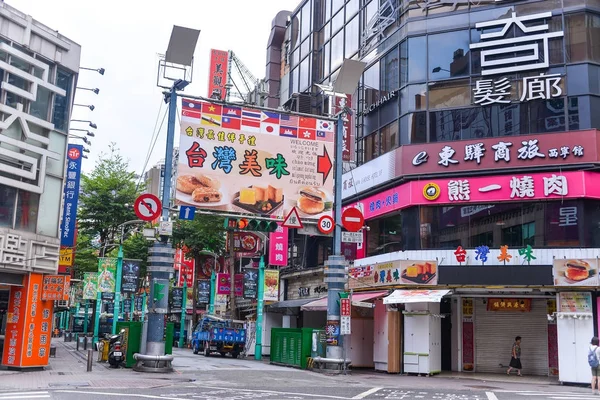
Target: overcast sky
125,36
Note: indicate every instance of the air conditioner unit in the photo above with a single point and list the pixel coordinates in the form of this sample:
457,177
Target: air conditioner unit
299,102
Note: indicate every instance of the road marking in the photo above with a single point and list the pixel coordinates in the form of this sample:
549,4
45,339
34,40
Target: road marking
367,393
24,396
320,396
145,396
491,396
20,393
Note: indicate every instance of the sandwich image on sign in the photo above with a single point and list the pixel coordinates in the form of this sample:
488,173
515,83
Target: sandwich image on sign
314,200
576,272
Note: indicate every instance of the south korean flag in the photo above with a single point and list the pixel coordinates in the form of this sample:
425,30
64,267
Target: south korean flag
325,126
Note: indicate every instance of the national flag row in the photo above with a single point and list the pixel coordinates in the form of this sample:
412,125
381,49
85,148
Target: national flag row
257,121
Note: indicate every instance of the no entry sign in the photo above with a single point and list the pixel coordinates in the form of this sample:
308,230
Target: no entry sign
147,207
352,219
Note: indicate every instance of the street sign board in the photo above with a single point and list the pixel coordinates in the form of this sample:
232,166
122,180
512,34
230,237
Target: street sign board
292,220
345,307
363,304
352,219
165,228
345,317
147,207
326,224
312,230
352,237
187,212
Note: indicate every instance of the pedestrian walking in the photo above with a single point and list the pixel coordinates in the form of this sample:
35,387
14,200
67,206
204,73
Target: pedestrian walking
594,362
515,357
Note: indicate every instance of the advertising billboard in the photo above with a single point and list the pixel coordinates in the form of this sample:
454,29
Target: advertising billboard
246,160
217,77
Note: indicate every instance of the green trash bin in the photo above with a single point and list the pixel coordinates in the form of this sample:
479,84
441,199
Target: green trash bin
131,340
169,338
291,346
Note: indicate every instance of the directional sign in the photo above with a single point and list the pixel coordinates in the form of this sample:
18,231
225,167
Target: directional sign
187,212
147,207
352,219
326,224
158,291
292,220
352,237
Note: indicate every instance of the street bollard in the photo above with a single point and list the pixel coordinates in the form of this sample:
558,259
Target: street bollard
90,356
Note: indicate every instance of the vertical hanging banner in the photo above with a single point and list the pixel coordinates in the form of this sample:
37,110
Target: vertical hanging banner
250,284
348,147
177,298
28,325
186,267
271,285
90,286
224,284
69,215
278,246
107,275
130,276
203,292
217,78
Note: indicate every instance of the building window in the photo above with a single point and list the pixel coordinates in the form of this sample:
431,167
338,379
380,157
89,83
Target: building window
8,197
390,72
417,59
371,84
305,74
41,106
352,37
337,22
305,21
60,117
337,50
389,137
448,55
372,150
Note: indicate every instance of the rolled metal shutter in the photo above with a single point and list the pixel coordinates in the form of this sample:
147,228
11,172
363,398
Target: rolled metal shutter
495,333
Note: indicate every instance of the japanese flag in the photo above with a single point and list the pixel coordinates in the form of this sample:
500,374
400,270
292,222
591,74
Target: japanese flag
326,126
269,129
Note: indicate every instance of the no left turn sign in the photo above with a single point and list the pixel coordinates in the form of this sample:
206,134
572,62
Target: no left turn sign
326,224
147,207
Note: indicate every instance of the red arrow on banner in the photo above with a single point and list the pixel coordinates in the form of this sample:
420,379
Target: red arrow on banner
324,164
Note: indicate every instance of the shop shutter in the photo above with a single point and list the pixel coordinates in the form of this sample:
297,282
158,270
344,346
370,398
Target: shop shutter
495,333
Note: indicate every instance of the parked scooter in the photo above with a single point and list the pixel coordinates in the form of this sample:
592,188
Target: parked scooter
115,353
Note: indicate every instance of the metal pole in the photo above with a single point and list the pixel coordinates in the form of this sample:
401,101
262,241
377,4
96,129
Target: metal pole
117,309
335,274
213,288
143,305
85,318
259,309
183,301
232,275
97,319
166,194
90,356
132,308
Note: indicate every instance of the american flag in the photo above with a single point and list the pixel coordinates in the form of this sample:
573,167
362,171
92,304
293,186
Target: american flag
289,120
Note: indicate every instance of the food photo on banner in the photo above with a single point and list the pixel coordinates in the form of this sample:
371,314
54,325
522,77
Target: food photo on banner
246,160
575,272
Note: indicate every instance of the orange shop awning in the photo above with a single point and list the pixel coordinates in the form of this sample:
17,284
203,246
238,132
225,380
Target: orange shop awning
321,304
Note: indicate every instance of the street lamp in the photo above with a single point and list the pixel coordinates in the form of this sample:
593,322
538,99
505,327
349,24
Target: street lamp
99,70
86,150
95,90
438,69
90,106
88,133
92,125
84,138
335,273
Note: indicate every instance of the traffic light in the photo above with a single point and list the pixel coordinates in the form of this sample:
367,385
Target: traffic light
246,224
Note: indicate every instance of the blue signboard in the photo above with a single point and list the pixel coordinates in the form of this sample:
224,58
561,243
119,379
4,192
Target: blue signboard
187,212
71,195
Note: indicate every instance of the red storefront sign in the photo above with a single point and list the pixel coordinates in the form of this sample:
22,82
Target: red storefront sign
56,287
217,77
345,307
348,148
28,325
577,147
186,267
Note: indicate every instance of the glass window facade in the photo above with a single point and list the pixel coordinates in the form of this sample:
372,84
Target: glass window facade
546,224
60,116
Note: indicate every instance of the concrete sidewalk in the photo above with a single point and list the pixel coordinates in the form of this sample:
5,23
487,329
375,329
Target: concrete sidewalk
68,370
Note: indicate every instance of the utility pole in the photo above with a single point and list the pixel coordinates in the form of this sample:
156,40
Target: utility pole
259,309
117,308
183,305
231,239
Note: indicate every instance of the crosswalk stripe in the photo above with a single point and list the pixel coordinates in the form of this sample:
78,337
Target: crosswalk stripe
21,393
24,396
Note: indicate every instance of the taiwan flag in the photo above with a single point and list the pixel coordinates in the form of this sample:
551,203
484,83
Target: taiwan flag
307,122
231,123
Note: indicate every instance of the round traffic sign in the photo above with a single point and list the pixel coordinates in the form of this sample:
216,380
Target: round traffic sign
147,207
326,225
352,219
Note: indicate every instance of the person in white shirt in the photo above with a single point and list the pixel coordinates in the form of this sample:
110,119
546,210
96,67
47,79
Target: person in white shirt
595,371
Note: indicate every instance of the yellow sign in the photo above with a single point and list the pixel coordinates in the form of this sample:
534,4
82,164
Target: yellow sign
66,257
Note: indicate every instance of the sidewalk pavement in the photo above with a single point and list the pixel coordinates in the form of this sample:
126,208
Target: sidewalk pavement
68,370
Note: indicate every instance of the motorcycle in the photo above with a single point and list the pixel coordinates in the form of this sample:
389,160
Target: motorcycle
115,352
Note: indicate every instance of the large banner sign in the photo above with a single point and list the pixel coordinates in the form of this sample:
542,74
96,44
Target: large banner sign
246,160
71,194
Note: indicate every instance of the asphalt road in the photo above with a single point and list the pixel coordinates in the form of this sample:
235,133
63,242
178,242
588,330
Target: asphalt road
203,392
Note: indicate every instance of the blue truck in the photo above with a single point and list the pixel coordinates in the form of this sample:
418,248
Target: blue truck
217,335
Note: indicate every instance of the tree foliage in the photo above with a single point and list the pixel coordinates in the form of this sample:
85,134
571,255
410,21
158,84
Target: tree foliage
107,197
204,233
86,256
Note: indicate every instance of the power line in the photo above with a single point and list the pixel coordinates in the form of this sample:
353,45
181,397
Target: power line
151,149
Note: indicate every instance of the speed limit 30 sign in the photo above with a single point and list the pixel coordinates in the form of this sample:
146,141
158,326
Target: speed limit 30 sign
326,224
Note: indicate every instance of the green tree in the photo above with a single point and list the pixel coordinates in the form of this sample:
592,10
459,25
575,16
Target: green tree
107,196
86,256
